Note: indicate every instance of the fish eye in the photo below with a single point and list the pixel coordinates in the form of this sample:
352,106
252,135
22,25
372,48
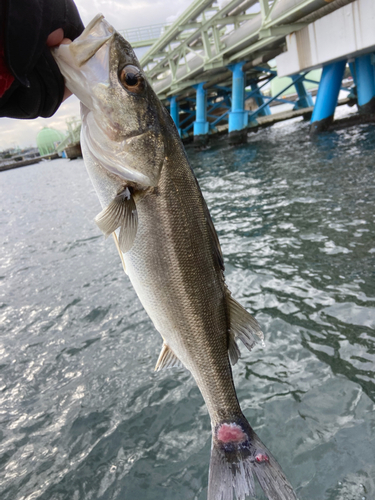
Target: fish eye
132,79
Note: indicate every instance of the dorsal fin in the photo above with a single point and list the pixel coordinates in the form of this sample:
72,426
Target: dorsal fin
167,359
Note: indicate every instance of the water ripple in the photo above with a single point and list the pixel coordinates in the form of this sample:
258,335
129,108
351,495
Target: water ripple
82,413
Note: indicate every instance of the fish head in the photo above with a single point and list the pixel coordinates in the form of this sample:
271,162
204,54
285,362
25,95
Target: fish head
122,118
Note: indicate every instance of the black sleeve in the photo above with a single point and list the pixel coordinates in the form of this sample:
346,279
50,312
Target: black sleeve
38,88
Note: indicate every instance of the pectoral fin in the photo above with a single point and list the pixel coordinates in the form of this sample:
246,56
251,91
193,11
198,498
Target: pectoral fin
167,359
242,326
120,213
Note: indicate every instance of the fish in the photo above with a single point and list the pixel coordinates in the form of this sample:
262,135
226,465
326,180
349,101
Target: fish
154,209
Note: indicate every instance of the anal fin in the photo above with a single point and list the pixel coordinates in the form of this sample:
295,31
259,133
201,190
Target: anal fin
167,359
243,326
120,213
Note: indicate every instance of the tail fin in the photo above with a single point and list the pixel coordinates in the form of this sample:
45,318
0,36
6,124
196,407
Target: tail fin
237,455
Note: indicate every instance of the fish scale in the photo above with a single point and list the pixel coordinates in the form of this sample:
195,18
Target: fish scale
153,206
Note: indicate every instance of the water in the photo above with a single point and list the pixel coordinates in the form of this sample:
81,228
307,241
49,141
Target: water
82,413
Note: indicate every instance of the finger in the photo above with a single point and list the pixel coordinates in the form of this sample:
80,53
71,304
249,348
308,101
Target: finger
55,38
67,93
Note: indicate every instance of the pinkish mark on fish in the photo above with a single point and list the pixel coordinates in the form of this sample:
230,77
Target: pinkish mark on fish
230,433
261,458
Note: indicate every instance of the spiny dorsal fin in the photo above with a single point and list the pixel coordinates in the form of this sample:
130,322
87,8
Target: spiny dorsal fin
167,359
242,326
122,213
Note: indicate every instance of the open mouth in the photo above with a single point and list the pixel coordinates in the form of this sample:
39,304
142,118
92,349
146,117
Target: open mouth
95,35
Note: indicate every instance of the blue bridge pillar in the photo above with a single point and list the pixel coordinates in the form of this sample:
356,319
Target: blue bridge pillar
365,83
259,99
327,97
175,112
238,117
201,125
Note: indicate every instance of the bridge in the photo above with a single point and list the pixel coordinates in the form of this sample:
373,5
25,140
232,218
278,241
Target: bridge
219,55
144,36
213,67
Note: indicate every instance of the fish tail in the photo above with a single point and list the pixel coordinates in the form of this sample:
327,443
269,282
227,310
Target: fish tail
237,455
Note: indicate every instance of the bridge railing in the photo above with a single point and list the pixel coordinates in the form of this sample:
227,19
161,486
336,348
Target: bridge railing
144,35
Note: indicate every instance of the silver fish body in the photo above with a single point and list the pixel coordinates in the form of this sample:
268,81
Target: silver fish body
153,206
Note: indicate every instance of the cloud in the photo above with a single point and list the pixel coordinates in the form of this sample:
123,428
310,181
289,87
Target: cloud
131,13
23,132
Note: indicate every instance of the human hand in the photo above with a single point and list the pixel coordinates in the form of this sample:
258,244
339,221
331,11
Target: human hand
55,39
36,86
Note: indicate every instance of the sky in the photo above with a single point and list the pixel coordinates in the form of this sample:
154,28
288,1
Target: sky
122,14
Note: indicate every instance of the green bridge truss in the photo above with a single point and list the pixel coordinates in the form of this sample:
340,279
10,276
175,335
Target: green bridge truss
210,35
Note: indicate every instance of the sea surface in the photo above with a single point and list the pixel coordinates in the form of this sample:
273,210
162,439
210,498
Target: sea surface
84,416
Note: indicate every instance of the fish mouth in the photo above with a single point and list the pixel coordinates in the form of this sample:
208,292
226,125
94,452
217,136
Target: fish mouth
80,78
94,36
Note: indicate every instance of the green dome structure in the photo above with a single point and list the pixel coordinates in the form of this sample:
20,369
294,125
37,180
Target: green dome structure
47,140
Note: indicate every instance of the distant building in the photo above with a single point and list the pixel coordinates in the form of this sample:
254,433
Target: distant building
48,139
